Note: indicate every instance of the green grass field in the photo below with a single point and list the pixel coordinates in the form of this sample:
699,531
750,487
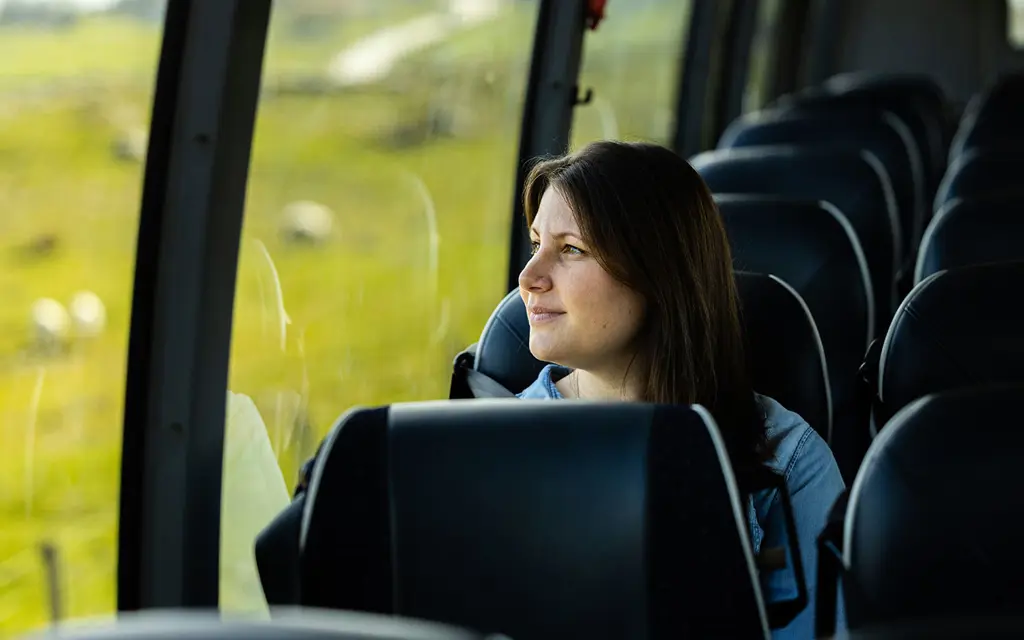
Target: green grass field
370,320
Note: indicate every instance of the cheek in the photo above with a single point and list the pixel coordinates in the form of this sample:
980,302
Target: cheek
607,307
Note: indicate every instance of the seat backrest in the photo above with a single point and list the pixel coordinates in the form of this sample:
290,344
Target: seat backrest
784,348
992,117
849,127
812,247
785,353
981,172
533,519
854,182
285,625
972,231
931,522
957,328
916,98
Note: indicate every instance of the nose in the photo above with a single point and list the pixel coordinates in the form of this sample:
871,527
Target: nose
534,277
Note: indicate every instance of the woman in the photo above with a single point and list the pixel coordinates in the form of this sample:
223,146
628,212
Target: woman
630,293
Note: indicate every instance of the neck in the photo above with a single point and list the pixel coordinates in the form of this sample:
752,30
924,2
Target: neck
599,385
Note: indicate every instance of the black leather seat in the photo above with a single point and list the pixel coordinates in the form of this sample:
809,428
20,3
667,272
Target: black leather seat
931,526
980,173
916,98
294,625
812,247
784,348
974,231
848,127
854,182
957,328
534,519
992,118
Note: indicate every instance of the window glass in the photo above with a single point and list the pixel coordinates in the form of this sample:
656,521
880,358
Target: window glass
76,82
1015,23
760,65
631,62
375,243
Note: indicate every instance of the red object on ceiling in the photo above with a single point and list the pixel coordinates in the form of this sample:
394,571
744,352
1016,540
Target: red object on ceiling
595,12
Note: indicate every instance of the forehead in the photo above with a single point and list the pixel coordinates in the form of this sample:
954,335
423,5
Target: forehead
554,214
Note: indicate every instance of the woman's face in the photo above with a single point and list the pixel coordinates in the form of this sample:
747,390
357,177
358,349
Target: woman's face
580,317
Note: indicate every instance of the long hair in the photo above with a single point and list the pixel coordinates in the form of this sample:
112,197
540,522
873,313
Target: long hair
652,224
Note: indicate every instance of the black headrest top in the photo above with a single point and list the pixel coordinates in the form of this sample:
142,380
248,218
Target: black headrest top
855,182
957,328
533,519
972,231
881,133
982,172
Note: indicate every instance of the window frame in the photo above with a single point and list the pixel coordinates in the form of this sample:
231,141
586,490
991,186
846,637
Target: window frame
203,117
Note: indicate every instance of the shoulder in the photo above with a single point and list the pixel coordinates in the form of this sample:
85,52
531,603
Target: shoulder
797,448
805,462
543,388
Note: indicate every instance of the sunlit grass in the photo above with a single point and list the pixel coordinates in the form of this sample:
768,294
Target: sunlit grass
370,321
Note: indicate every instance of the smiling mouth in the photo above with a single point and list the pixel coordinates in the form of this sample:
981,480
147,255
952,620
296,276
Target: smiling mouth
544,316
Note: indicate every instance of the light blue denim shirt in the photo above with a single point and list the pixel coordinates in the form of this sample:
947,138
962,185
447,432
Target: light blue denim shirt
814,483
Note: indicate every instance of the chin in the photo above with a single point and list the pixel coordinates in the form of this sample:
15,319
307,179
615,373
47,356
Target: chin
544,352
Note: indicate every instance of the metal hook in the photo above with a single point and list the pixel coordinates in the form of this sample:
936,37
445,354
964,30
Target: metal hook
588,95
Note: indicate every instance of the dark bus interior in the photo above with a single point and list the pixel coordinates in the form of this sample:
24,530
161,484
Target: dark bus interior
171,171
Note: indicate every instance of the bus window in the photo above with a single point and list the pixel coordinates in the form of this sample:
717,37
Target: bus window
760,65
375,242
631,62
1015,23
76,84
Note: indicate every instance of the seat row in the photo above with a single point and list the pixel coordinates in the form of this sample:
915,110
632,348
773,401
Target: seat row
828,189
539,519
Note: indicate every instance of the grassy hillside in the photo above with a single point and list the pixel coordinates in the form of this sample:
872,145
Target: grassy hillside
373,318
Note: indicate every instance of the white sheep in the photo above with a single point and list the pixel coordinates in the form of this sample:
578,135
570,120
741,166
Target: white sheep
88,314
306,221
131,145
50,325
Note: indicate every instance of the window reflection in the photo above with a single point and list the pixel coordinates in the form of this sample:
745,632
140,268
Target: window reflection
375,242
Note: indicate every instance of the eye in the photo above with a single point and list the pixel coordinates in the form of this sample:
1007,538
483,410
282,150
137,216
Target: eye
576,251
534,247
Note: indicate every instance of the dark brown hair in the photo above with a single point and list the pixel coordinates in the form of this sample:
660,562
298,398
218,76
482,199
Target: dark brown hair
651,223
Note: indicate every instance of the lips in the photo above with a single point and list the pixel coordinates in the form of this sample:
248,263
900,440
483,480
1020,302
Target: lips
539,314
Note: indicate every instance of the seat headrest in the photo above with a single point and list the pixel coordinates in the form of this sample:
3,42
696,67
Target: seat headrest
1001,100
973,231
991,117
981,172
784,348
503,352
880,132
957,328
893,86
930,519
885,134
813,248
534,519
855,182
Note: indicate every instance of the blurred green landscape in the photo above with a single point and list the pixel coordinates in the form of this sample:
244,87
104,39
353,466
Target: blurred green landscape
418,169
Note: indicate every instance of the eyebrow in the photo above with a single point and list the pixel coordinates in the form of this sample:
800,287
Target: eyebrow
559,235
